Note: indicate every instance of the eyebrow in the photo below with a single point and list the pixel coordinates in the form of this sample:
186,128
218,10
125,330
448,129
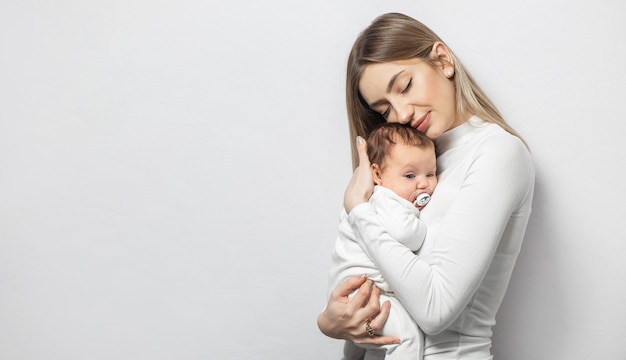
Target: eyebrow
389,87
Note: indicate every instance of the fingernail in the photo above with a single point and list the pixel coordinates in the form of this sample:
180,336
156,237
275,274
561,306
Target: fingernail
359,140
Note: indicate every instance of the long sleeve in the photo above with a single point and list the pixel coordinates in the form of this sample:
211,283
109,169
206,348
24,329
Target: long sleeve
487,195
399,217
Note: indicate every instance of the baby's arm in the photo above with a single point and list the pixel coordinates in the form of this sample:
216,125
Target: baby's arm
400,218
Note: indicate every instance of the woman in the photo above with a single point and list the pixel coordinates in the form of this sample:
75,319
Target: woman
400,71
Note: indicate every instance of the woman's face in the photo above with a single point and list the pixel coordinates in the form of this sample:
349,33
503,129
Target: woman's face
412,92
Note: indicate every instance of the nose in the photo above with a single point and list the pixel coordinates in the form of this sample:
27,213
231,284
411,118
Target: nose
405,113
422,183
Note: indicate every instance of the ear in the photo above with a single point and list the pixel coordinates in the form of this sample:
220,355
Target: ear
442,56
376,172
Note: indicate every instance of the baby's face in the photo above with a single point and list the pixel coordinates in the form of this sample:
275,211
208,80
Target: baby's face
408,171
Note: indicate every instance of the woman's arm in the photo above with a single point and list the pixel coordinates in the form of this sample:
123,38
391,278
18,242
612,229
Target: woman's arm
437,291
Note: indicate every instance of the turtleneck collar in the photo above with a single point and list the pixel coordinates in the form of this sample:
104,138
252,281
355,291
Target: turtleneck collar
458,135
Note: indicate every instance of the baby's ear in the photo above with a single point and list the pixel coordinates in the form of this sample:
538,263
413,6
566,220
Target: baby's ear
376,174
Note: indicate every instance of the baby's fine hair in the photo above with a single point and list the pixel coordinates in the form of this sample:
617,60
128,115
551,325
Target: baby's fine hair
384,137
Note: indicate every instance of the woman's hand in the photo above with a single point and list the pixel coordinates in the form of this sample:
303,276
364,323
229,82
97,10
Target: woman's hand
361,185
346,318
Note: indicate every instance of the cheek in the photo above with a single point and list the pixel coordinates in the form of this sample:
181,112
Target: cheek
444,94
449,97
446,114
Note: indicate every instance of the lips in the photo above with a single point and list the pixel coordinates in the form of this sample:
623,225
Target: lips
422,123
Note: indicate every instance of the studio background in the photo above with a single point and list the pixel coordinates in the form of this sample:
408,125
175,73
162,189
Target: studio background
171,172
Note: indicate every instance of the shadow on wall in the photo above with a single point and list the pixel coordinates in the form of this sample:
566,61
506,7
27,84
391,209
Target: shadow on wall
532,314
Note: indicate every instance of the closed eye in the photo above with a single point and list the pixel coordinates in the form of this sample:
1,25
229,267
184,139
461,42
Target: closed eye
408,86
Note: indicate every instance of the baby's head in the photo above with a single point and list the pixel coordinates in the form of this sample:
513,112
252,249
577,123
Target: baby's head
403,160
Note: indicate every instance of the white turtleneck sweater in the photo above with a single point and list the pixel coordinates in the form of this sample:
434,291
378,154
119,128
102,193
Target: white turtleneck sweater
476,221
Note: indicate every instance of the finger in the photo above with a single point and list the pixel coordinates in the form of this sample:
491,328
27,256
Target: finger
379,321
347,287
361,147
363,170
373,303
377,324
362,297
378,340
361,184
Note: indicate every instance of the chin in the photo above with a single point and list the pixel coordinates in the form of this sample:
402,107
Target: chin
431,134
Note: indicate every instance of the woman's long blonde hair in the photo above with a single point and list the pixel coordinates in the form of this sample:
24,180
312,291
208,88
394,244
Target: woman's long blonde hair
393,37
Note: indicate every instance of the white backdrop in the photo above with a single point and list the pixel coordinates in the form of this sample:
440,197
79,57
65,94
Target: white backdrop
171,172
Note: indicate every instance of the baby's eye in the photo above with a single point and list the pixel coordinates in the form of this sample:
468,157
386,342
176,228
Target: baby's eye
430,175
409,176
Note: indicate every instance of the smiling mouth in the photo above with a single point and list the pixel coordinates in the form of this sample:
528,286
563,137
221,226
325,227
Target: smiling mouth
416,124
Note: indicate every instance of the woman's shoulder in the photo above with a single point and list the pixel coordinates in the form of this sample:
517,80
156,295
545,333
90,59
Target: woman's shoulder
495,138
496,148
505,155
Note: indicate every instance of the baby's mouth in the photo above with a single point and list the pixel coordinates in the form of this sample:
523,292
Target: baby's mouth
421,197
421,200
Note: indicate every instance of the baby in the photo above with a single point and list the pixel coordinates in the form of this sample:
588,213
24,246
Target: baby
404,169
